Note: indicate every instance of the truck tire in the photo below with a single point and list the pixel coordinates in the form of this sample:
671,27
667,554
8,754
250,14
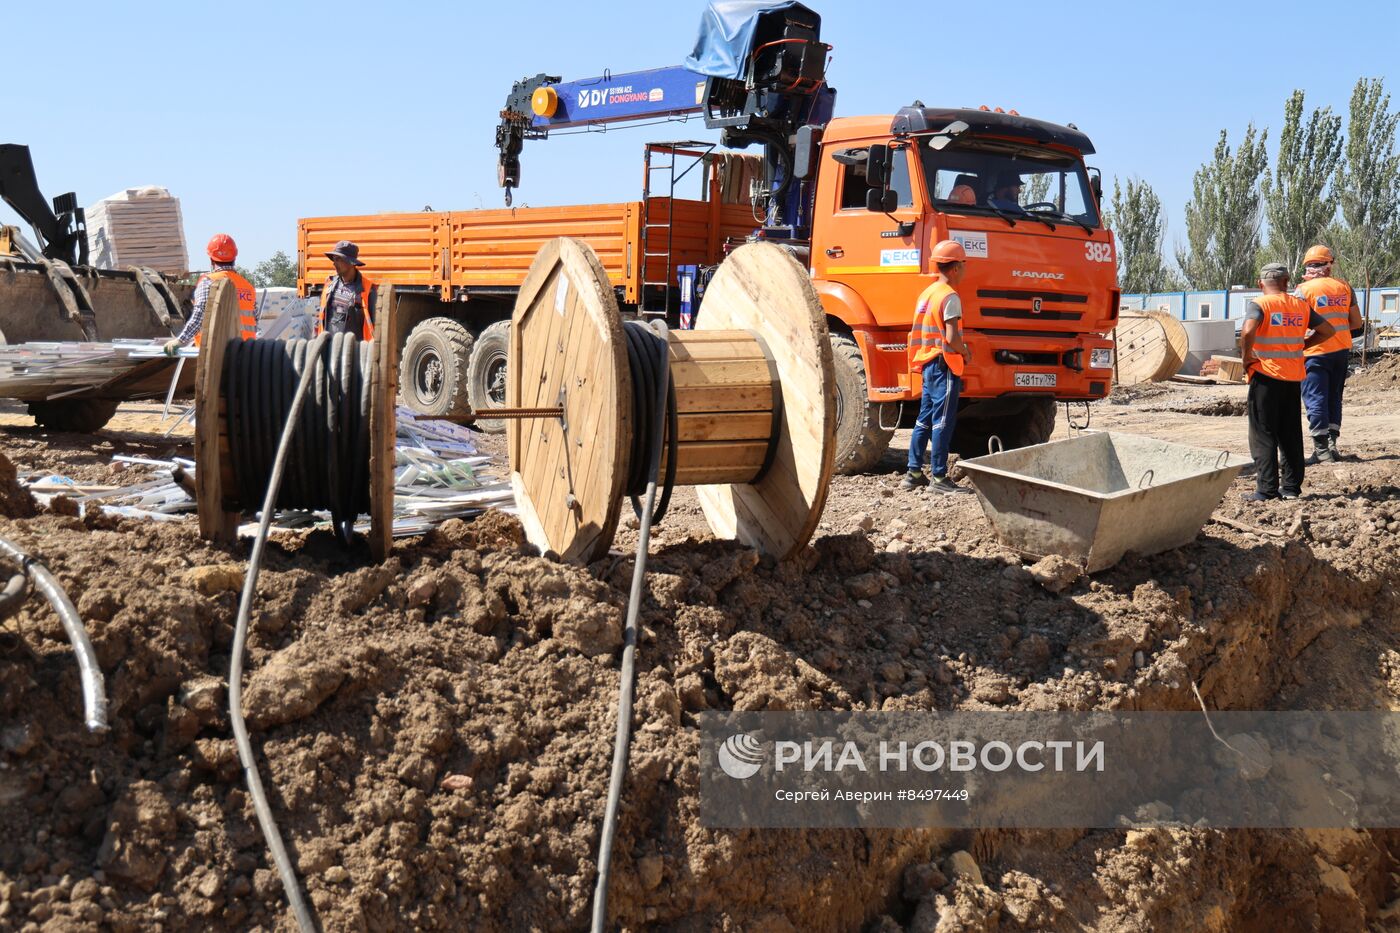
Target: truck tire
487,374
433,368
860,439
1031,425
80,415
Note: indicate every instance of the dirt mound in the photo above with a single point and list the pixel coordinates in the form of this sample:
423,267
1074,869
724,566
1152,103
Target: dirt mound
1382,373
438,727
15,500
1131,394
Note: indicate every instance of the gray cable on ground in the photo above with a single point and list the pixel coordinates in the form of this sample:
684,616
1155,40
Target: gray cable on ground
89,673
266,820
629,642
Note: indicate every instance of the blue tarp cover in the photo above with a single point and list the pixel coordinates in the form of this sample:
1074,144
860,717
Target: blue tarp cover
726,36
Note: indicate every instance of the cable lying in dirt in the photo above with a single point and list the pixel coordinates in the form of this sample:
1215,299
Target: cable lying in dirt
266,820
658,367
89,673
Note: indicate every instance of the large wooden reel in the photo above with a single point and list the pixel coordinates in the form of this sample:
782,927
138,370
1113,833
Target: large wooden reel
754,391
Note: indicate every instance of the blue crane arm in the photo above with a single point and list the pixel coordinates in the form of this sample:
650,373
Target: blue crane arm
637,95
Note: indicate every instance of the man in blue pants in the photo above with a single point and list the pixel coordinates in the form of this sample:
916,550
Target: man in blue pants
1335,302
937,351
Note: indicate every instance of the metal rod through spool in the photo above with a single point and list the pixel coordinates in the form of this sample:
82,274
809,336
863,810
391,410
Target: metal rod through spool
755,403
218,443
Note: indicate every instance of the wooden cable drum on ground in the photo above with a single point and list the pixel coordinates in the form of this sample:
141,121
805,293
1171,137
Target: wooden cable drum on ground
368,471
1151,347
755,405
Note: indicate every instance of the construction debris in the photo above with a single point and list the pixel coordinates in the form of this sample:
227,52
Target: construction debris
55,369
438,475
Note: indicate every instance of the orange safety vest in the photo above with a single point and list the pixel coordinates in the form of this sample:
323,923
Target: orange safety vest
926,336
1331,299
367,294
1278,343
247,304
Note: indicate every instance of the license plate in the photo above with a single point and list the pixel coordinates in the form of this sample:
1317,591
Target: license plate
1035,380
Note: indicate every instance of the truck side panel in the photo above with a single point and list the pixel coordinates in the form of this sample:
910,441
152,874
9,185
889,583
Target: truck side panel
494,248
402,249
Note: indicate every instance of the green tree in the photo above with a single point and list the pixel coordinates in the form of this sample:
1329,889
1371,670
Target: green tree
1368,182
1223,215
1135,216
278,272
1299,201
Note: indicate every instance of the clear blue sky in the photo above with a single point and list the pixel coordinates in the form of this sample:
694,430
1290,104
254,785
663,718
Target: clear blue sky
255,114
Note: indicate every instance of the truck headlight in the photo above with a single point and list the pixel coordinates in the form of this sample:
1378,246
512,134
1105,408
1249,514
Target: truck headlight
1101,359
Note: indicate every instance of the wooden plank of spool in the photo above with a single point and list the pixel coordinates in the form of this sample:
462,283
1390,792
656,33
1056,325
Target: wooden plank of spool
566,340
763,290
216,521
383,424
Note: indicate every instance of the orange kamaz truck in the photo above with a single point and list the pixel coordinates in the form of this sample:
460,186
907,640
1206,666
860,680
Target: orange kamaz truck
860,201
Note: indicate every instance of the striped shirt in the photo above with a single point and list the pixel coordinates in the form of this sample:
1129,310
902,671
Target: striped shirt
201,298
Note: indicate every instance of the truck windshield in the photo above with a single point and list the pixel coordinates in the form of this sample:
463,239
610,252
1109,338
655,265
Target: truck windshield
991,177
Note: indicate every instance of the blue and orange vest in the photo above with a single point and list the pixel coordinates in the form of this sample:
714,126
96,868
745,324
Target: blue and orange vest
1278,343
1331,299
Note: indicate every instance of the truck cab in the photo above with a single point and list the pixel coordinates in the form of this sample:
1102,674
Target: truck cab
1039,295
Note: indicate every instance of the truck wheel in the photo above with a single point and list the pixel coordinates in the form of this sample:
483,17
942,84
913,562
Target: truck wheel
1031,425
81,415
433,368
487,371
860,439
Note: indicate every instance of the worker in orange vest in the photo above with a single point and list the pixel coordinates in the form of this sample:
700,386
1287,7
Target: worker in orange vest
1335,301
222,252
348,298
1272,342
937,353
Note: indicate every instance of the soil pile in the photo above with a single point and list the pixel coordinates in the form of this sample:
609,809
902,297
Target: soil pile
437,728
1383,373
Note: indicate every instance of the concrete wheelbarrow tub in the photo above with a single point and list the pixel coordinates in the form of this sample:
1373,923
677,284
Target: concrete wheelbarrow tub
1095,497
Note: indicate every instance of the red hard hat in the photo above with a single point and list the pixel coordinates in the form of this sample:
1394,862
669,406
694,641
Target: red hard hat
1318,254
949,251
221,248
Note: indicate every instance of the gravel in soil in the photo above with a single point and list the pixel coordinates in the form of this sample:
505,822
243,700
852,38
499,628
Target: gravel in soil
437,728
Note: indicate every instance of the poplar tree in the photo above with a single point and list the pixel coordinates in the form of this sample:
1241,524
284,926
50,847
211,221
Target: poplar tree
1135,217
1224,214
1368,182
1299,198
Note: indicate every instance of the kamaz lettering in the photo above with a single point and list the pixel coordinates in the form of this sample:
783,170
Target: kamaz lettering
1054,276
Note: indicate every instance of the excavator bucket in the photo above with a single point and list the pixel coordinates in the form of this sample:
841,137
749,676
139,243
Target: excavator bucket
51,301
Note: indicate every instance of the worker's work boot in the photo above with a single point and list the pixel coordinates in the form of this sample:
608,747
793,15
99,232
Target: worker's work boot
1322,453
913,479
944,486
1332,445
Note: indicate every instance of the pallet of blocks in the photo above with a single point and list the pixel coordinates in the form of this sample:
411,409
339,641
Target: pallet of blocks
1228,369
138,227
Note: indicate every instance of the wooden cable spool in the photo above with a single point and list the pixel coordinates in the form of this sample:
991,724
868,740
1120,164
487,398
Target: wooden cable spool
755,401
1151,347
215,481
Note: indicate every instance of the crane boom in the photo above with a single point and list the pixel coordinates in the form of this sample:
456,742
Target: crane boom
761,89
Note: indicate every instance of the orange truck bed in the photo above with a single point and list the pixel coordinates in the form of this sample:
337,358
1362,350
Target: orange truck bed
458,253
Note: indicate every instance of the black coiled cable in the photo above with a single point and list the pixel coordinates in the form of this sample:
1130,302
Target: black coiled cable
328,464
647,355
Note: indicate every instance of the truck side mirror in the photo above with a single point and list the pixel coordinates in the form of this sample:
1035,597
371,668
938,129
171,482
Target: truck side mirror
877,167
804,157
881,200
1096,184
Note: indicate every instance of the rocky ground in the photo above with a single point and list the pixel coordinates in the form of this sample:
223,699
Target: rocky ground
437,728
